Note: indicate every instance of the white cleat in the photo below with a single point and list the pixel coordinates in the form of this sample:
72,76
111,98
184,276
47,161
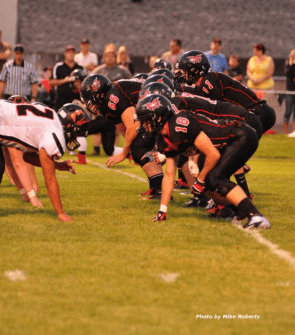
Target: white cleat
257,221
291,134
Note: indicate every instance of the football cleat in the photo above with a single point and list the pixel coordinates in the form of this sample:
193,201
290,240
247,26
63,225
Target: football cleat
151,191
196,202
181,185
257,221
221,212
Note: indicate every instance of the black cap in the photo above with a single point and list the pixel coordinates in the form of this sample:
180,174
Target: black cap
19,48
85,41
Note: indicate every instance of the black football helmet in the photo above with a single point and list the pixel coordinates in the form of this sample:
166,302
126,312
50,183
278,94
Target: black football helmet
155,109
18,99
78,74
194,63
158,78
164,72
141,77
156,88
74,119
94,89
162,63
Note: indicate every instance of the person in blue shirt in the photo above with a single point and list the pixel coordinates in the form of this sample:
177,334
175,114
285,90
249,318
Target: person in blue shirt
217,60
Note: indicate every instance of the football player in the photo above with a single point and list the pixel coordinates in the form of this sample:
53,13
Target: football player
181,132
43,135
193,69
13,161
116,102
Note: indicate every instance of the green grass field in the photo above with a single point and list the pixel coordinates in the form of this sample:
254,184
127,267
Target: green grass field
114,271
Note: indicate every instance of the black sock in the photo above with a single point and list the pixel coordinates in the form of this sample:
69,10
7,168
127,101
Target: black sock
156,181
245,209
242,182
82,152
97,148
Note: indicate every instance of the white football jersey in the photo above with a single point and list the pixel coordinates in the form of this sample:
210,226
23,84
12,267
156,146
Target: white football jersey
30,127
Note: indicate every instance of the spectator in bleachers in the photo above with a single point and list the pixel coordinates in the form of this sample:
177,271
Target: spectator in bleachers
5,51
110,68
86,58
235,69
18,77
290,98
217,60
174,53
123,59
260,69
62,78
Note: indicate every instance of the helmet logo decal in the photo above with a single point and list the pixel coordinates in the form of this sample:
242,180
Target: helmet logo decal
79,117
160,81
95,86
153,105
147,92
195,59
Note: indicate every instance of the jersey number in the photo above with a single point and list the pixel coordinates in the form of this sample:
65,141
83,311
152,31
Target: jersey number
182,121
23,109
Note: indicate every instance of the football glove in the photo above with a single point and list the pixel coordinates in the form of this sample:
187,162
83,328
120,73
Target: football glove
198,187
161,216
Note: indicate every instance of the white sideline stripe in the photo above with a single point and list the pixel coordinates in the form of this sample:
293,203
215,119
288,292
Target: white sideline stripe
131,175
253,233
271,246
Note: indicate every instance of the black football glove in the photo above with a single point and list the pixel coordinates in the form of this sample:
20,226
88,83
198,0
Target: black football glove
161,216
198,187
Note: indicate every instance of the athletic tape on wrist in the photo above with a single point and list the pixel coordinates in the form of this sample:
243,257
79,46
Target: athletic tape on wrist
31,194
163,208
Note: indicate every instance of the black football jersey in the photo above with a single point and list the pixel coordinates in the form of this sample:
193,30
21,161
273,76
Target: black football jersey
182,130
184,127
214,109
219,86
122,95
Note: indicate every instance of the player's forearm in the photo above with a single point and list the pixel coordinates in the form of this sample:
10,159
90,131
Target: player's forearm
54,194
167,188
130,135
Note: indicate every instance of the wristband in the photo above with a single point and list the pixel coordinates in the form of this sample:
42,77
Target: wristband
31,194
22,191
163,208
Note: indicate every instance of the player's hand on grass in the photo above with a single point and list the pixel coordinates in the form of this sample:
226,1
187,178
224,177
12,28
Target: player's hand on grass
198,187
36,202
115,159
161,216
66,165
64,217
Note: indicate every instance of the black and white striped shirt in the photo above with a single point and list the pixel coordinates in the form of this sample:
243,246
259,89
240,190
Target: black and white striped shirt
18,79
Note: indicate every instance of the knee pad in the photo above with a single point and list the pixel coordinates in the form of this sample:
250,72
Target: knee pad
224,187
146,159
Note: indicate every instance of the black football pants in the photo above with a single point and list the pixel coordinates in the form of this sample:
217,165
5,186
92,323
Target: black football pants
233,156
107,130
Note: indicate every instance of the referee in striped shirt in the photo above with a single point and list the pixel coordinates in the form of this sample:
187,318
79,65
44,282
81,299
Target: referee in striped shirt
18,77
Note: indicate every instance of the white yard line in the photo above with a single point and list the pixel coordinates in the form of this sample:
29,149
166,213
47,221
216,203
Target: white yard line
271,246
285,255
